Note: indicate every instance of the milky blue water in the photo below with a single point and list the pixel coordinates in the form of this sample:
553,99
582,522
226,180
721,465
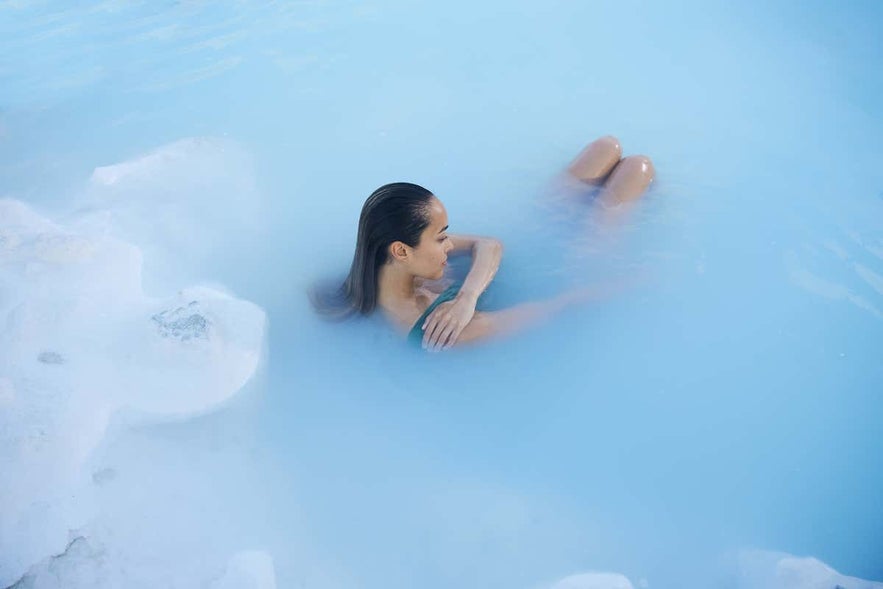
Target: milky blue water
729,399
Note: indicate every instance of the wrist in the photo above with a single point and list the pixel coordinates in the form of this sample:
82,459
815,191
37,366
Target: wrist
468,296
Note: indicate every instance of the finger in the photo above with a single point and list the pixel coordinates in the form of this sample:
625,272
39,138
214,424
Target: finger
435,340
430,333
439,336
437,313
443,341
444,337
427,333
432,322
430,319
455,335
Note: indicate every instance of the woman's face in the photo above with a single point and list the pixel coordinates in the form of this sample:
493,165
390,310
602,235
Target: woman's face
431,254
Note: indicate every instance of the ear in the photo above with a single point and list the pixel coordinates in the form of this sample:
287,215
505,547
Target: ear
398,251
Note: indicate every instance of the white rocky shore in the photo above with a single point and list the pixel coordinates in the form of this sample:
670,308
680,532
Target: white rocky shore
593,581
753,569
86,564
759,569
80,341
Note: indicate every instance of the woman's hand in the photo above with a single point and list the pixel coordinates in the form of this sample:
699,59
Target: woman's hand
443,326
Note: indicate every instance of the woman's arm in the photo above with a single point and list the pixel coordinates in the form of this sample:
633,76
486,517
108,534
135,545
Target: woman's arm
486,255
443,326
486,326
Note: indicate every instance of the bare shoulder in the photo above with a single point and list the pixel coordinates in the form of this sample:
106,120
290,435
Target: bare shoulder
405,315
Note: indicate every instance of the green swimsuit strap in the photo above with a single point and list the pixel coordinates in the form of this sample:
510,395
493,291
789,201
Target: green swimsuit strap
415,336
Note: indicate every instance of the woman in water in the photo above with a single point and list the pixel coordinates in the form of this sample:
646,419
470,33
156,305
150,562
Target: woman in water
403,245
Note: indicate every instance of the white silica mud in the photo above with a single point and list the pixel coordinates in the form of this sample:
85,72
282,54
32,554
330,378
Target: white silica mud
593,581
748,569
86,564
758,569
81,342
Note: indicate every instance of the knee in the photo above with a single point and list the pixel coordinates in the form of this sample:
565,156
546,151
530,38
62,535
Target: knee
611,145
596,160
640,165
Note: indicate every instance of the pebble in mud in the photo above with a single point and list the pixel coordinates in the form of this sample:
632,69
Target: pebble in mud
182,323
50,358
104,476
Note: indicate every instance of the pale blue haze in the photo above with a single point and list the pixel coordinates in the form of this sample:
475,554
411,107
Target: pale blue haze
731,400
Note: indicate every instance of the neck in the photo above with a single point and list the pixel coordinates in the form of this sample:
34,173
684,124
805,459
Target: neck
394,286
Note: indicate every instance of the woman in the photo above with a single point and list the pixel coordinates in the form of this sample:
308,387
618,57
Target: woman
403,245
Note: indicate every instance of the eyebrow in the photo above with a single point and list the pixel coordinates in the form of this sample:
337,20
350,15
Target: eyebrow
443,229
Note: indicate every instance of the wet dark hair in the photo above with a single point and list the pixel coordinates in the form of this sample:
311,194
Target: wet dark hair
394,212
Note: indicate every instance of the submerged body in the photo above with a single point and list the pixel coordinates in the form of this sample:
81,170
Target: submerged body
403,246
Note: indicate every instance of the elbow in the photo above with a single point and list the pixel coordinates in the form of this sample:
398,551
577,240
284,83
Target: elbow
495,246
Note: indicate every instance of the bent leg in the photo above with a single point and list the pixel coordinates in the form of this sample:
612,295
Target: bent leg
596,160
629,180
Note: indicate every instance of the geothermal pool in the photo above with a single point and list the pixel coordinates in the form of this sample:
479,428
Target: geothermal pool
173,177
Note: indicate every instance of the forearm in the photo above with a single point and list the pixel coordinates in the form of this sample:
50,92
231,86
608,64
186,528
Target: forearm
526,315
485,326
486,256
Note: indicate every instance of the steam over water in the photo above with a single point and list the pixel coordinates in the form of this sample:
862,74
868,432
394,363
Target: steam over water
172,413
